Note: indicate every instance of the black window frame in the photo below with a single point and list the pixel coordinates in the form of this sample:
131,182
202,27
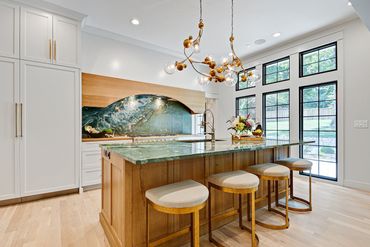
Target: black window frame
237,109
272,62
264,111
237,88
301,54
301,130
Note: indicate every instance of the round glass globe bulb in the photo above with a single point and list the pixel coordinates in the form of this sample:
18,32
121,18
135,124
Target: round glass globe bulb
170,68
202,80
231,79
196,48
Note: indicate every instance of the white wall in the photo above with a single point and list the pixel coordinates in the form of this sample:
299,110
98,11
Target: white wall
353,95
114,58
357,105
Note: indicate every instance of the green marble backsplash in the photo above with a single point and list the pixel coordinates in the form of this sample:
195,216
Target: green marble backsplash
140,115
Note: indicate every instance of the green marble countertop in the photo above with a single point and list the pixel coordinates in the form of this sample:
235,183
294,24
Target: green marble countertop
143,153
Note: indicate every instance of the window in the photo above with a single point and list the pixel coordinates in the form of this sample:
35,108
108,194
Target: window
318,122
241,85
197,127
319,60
276,115
276,71
246,105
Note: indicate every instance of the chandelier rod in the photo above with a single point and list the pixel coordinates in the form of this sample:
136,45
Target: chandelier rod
201,10
232,18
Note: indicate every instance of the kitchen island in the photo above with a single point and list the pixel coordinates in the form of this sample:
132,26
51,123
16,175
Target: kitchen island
131,169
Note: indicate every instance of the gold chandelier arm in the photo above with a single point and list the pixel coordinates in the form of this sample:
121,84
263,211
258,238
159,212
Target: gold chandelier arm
192,65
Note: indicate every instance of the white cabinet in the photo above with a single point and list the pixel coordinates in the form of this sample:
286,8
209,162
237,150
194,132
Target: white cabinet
49,38
66,41
39,102
50,142
9,144
9,30
36,35
91,161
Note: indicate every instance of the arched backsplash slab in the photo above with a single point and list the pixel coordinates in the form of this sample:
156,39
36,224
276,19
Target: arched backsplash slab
139,115
101,91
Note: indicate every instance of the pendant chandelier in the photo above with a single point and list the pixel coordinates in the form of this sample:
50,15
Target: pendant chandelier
227,71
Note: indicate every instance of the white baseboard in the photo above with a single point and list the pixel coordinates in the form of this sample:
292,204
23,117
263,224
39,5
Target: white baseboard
357,185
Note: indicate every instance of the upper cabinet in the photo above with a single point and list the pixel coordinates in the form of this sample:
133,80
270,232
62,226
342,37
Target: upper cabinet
9,29
49,38
66,35
36,35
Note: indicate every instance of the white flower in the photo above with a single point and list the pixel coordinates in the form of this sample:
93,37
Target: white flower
252,123
235,122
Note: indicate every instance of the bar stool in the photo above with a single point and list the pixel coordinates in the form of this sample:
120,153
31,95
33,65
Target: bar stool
186,197
272,173
296,164
235,182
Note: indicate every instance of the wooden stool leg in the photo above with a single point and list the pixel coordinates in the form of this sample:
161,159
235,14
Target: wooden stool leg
249,206
269,195
241,211
286,203
195,229
147,223
291,184
310,190
209,214
253,223
276,193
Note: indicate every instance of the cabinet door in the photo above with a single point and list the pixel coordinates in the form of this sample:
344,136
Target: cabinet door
9,29
50,145
66,35
9,145
36,35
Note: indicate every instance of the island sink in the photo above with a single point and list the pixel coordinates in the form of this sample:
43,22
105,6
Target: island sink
200,140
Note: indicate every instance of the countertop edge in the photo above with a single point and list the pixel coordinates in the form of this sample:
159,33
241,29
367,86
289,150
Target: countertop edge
158,160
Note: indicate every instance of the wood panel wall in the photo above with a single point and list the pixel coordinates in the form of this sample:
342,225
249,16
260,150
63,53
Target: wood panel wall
101,91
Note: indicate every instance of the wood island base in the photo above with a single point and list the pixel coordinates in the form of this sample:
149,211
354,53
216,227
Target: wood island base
123,194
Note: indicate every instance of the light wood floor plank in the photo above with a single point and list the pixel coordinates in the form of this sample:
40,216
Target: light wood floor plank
341,218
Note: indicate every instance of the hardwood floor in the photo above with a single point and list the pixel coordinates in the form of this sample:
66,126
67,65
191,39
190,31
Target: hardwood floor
341,218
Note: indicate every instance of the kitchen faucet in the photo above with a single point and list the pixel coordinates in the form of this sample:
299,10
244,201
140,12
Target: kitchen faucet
211,125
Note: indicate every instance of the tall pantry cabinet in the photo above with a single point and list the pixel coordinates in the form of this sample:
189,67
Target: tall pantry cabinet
39,102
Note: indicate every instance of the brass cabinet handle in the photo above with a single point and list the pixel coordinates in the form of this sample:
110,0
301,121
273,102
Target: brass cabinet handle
16,119
55,50
50,49
21,104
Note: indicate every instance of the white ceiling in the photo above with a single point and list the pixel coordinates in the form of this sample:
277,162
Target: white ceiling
165,23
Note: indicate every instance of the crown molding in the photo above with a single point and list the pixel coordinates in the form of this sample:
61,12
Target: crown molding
304,38
362,7
52,8
131,41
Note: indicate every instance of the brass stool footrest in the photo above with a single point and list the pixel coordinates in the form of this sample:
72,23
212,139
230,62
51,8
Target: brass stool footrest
275,227
298,199
170,237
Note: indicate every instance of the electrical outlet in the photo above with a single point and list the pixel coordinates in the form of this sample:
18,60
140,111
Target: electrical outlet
361,124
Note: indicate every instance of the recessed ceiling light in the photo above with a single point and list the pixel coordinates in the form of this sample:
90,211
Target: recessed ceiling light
248,45
349,4
260,41
135,21
275,35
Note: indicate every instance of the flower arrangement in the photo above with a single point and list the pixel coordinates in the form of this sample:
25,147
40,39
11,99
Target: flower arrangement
243,126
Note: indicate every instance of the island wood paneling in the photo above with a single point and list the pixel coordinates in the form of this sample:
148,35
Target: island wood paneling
124,193
101,91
